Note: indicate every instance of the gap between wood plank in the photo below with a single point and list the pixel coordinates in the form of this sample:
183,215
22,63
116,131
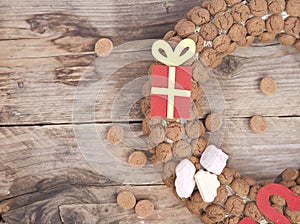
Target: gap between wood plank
118,122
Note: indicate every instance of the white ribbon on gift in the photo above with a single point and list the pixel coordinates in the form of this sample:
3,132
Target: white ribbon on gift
172,58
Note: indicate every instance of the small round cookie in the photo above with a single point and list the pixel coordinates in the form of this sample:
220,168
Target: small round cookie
210,57
144,208
268,86
234,205
163,152
286,39
126,200
103,47
199,15
209,31
157,135
194,129
253,192
258,124
276,6
240,186
137,159
182,149
115,135
198,146
228,175
174,131
223,20
290,174
184,28
252,211
240,12
275,24
222,195
196,91
201,72
258,7
215,213
213,122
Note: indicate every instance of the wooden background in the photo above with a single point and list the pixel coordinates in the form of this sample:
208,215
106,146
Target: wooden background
45,48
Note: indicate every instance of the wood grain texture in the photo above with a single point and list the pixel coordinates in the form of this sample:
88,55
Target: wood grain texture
41,178
91,205
46,50
39,74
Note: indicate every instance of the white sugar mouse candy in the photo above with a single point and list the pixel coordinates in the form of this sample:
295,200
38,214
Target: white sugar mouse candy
185,182
207,184
184,187
213,159
185,168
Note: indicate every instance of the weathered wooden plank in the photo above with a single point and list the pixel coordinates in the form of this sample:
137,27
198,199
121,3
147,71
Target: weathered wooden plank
45,171
95,205
26,88
34,158
46,52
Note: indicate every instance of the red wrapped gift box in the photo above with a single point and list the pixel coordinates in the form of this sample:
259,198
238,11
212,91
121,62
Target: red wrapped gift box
171,91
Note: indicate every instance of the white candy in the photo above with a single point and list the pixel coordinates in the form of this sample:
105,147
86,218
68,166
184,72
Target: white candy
185,182
186,168
213,159
184,187
207,184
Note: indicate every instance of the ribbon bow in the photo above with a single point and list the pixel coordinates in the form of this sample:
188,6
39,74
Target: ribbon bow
173,58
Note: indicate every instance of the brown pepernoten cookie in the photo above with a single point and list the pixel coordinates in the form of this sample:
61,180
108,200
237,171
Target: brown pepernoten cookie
227,176
293,7
198,41
209,31
163,152
222,195
201,72
237,32
290,174
215,6
275,24
182,149
196,91
240,186
234,205
252,211
292,25
258,124
184,28
210,57
276,6
199,15
198,146
223,20
144,208
174,131
215,213
115,135
213,122
240,12
221,43
137,159
156,136
103,47
268,86
194,129
126,200
258,7
286,39
255,26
